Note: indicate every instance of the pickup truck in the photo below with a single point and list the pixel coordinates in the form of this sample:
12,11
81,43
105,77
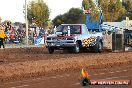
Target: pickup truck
74,38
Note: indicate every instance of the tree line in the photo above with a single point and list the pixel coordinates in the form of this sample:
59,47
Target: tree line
113,10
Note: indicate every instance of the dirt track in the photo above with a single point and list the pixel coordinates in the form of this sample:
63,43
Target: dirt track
32,62
72,79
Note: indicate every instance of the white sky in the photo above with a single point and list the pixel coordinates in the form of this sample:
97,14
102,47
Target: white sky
13,9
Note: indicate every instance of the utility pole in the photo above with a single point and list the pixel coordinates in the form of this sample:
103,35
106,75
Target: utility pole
26,22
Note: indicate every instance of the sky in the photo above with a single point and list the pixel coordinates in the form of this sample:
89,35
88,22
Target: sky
13,9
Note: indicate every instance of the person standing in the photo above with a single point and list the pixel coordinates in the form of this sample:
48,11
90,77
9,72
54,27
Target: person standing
2,36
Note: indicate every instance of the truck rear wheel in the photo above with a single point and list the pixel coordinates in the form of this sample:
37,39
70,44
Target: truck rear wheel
97,48
100,47
51,50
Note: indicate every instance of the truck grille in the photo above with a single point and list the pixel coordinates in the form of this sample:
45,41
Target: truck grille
70,39
60,40
48,38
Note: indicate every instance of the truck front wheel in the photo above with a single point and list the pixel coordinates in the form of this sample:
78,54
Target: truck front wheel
51,50
76,49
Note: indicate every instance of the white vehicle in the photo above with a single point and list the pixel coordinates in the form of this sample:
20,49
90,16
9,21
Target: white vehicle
74,37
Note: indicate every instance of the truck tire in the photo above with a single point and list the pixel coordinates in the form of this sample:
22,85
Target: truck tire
76,49
100,47
97,48
51,50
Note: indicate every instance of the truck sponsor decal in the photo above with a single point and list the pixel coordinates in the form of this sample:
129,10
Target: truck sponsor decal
87,41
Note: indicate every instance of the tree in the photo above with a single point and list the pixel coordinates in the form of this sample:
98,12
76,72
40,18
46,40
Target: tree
73,16
87,4
38,13
91,6
112,9
128,6
58,20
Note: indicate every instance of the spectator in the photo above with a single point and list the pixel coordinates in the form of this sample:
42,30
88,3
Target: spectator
2,36
12,37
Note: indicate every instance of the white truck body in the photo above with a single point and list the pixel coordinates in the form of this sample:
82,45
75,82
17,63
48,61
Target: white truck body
79,37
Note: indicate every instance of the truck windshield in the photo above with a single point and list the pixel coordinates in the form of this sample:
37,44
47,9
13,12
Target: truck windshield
74,29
